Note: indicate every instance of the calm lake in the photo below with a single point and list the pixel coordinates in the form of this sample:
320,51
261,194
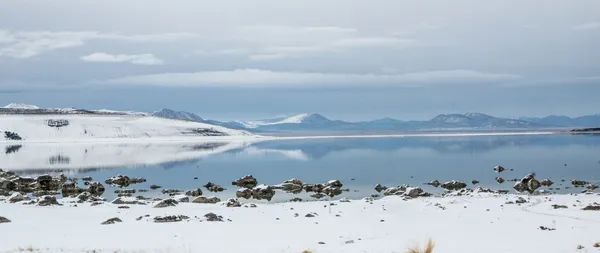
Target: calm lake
359,164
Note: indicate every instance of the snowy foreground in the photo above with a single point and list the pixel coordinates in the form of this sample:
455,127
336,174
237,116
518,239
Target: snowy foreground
480,223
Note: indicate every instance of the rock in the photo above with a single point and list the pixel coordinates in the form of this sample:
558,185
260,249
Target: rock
166,203
127,201
87,197
232,202
292,186
578,183
213,187
434,183
96,203
7,185
500,180
171,218
413,192
394,191
123,207
332,191
205,200
252,205
44,193
170,191
154,187
527,184
520,200
311,215
380,188
555,206
124,195
16,197
453,185
263,192
47,201
592,207
322,243
111,221
247,181
499,169
474,182
314,187
546,182
296,199
334,183
547,228
592,187
344,200
128,191
194,193
350,242
96,188
87,179
4,220
244,193
213,217
123,181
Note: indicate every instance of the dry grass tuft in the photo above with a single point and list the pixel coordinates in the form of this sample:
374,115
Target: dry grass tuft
428,248
307,251
28,249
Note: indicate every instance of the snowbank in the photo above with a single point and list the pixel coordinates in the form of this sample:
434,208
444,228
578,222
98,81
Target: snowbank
481,223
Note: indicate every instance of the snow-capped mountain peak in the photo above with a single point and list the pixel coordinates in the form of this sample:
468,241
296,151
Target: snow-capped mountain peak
21,106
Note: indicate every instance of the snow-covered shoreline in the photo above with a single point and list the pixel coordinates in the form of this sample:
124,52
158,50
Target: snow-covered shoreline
479,223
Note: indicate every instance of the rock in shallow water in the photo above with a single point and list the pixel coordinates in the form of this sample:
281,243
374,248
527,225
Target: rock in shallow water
247,181
453,185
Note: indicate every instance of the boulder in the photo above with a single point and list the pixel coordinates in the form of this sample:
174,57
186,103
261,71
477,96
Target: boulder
96,188
474,182
434,183
332,191
194,193
527,184
578,183
211,187
244,193
44,193
296,199
314,187
213,217
123,181
205,200
520,200
380,188
500,180
166,203
48,183
7,185
47,201
87,197
263,192
318,195
334,183
394,191
111,221
592,207
413,192
70,189
154,187
247,181
499,169
453,185
87,179
232,202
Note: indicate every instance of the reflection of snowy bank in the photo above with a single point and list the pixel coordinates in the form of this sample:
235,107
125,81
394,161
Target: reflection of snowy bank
296,154
86,156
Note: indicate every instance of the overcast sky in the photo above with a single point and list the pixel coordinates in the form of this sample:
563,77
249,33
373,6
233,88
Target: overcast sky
346,59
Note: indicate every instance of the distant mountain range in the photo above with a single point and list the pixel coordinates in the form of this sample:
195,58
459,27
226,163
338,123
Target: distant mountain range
316,122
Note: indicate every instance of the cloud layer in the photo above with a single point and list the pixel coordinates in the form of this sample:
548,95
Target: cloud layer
267,78
138,59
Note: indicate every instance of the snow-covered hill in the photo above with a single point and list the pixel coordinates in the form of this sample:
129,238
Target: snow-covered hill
171,114
21,106
65,128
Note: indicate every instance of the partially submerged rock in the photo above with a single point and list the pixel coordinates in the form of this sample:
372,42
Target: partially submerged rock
434,183
380,188
123,181
111,221
96,188
211,187
499,169
453,185
170,191
474,182
578,183
87,197
194,193
247,181
527,184
154,187
205,200
292,186
499,180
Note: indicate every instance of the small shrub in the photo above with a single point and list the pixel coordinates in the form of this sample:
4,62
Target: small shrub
428,248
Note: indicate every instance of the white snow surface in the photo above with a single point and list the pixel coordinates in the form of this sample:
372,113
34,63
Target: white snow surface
21,106
289,120
81,128
481,223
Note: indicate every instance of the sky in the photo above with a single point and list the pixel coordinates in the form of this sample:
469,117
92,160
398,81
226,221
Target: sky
345,59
